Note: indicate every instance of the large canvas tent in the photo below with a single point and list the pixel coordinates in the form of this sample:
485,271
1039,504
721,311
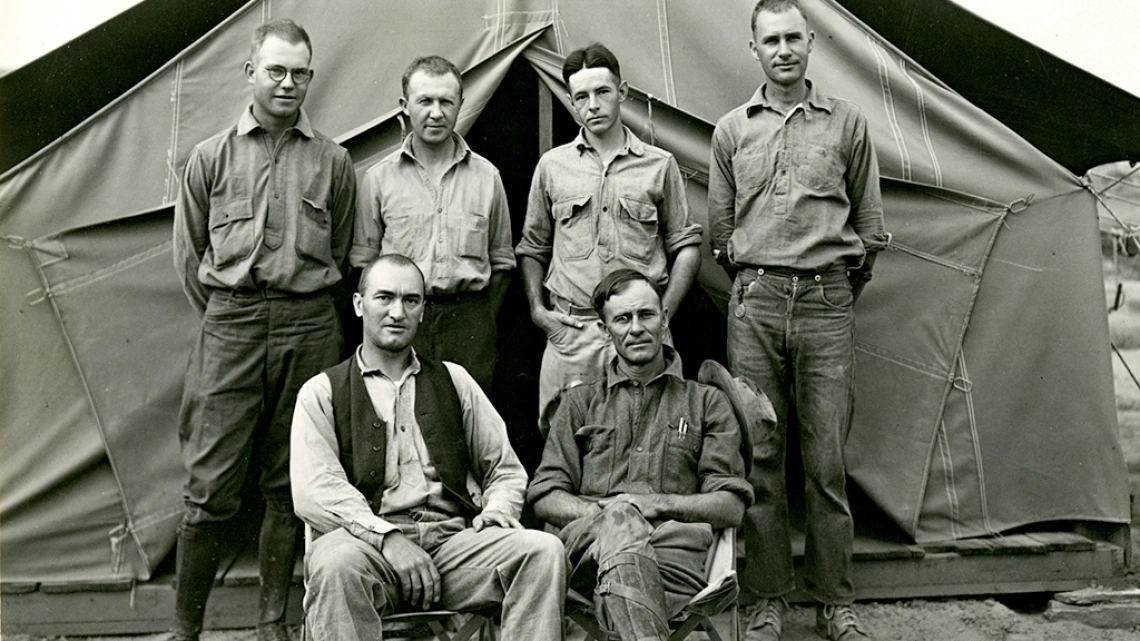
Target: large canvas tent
985,398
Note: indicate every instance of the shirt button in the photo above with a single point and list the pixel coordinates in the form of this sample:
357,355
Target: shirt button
275,196
439,210
377,425
605,207
640,449
372,474
403,428
375,448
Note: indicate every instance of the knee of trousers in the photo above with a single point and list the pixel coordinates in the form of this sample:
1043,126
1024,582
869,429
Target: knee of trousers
622,529
341,567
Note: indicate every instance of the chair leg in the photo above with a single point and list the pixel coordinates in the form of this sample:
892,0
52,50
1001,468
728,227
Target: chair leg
587,622
476,623
687,626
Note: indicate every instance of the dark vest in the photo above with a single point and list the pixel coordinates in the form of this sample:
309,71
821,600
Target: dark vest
363,441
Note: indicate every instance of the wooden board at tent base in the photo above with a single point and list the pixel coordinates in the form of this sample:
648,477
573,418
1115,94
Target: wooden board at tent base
1036,562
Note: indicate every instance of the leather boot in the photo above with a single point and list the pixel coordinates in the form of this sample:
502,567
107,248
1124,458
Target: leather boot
276,547
630,599
198,555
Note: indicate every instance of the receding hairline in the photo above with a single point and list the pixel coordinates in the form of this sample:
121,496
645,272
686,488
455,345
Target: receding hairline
389,260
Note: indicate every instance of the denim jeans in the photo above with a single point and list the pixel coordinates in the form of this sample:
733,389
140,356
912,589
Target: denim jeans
794,337
350,585
254,352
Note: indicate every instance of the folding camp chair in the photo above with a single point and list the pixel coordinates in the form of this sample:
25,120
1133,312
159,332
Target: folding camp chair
718,596
402,625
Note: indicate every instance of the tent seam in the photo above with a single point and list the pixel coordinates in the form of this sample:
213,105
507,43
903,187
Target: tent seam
889,108
920,97
127,515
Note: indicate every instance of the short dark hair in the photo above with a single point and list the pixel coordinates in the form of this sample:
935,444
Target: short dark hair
432,66
775,6
285,29
592,56
392,260
617,282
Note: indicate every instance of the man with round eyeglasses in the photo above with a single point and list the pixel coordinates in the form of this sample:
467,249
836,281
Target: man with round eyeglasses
262,228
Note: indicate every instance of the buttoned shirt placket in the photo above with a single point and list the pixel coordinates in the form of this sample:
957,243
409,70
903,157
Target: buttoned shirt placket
275,216
607,227
443,230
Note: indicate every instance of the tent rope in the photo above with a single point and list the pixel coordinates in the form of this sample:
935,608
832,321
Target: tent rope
652,130
1125,363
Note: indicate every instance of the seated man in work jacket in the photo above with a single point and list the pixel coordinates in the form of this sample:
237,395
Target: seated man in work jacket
403,468
639,468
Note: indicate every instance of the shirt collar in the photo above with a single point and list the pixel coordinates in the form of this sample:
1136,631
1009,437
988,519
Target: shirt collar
412,369
633,144
247,123
462,150
615,377
814,98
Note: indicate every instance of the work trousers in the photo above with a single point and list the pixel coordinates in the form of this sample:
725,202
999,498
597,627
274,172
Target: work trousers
793,336
350,586
619,556
462,329
254,352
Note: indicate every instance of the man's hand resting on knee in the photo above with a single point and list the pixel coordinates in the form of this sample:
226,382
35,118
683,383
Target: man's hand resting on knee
419,580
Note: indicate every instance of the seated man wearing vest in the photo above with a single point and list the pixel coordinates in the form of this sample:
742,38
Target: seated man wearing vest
639,468
403,469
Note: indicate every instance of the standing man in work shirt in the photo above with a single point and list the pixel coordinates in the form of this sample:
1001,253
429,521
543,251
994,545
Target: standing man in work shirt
262,229
796,216
604,201
442,205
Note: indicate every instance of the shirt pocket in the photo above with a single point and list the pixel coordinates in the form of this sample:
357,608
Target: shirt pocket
638,229
820,168
682,453
471,236
576,228
597,443
314,232
753,169
404,232
231,230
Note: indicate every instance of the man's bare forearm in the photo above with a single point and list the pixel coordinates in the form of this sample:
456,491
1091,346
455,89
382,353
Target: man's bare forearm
560,508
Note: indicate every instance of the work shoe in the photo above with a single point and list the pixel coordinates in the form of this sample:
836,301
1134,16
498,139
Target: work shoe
765,620
272,632
838,623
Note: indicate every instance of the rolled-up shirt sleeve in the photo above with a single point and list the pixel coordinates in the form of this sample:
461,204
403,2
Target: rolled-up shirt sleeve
561,467
323,497
538,228
680,229
721,466
864,191
367,229
722,192
501,251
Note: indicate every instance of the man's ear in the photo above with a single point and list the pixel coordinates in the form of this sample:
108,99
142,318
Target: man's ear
665,316
404,106
752,48
623,90
249,69
358,304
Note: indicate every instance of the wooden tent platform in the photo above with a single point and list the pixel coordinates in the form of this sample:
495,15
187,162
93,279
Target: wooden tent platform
1021,563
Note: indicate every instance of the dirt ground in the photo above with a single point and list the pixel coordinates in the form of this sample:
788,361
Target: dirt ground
1008,619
